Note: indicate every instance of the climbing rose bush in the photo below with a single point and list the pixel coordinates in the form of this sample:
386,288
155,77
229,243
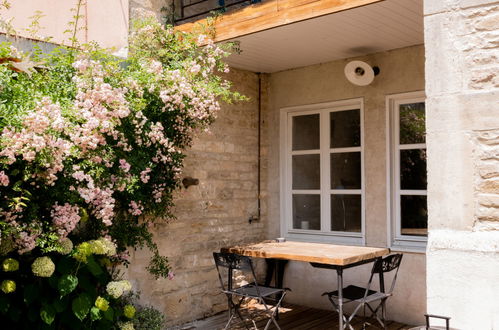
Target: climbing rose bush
91,151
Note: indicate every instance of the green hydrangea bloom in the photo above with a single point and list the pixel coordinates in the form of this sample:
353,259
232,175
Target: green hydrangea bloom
10,265
84,215
129,311
43,267
126,326
66,246
83,250
104,246
8,286
101,246
98,247
116,288
101,304
6,245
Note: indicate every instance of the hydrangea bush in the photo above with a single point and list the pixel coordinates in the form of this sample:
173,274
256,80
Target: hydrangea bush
90,154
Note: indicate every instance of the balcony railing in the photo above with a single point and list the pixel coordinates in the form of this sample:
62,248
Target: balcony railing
193,10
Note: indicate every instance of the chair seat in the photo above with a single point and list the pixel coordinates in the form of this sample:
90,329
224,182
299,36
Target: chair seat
249,290
356,293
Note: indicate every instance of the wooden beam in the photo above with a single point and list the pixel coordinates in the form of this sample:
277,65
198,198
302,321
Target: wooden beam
271,14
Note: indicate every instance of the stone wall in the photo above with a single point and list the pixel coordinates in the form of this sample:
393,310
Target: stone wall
486,159
210,215
462,86
155,8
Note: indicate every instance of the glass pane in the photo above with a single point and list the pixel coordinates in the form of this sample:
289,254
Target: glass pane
346,213
307,212
345,170
306,132
414,215
306,171
413,169
345,128
412,123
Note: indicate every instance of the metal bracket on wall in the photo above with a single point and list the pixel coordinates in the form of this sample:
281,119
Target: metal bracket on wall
189,181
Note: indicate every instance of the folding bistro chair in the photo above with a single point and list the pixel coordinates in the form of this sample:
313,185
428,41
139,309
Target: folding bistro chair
365,297
226,264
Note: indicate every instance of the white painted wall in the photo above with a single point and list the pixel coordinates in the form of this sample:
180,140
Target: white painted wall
106,21
402,70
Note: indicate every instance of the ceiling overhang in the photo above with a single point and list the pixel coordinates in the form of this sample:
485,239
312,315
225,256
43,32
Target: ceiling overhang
317,32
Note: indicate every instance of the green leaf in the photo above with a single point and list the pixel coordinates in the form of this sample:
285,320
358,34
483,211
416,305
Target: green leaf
103,325
33,314
66,284
81,306
47,314
93,267
61,304
4,304
53,281
31,292
46,327
95,314
109,314
65,266
14,313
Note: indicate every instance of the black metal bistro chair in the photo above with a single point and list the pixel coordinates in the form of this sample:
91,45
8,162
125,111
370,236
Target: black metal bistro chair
236,295
365,297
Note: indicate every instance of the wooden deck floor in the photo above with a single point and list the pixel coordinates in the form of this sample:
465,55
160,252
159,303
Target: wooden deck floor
291,318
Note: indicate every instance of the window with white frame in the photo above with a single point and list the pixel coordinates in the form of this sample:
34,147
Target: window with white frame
322,174
409,213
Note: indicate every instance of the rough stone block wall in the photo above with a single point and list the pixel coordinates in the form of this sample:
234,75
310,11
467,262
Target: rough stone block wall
487,180
480,43
210,215
155,8
462,87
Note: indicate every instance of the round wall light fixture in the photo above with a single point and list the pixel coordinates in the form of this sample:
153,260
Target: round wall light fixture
360,73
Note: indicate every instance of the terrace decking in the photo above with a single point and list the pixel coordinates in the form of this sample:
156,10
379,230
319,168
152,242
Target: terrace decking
291,317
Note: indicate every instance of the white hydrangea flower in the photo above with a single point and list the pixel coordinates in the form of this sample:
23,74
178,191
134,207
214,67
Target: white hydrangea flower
116,288
126,326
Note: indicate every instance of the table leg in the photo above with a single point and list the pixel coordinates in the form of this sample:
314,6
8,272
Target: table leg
339,271
275,268
271,265
281,264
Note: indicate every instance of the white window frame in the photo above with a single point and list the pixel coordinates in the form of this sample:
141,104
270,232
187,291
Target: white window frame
286,220
396,240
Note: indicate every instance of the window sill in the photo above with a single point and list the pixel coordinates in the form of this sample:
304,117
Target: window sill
328,238
408,246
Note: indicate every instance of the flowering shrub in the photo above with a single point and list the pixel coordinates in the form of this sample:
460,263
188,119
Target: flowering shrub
90,154
43,267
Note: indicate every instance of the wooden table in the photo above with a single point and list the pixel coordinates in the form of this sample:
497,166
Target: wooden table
331,256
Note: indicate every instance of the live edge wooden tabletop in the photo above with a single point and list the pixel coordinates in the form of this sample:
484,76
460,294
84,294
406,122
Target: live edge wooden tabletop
339,255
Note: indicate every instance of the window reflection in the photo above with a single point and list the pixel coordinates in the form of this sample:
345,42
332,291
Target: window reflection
307,212
306,172
413,169
306,132
346,213
345,128
345,170
414,215
412,123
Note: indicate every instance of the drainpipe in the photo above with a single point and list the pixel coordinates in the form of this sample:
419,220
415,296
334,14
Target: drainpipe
259,188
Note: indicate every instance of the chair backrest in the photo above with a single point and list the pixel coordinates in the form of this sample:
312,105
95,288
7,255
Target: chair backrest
386,265
232,262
